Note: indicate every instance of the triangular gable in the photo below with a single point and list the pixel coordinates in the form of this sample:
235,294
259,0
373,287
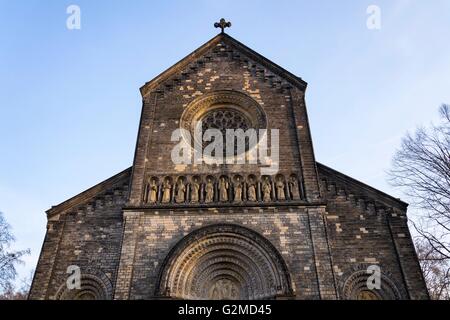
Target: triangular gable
222,37
358,188
115,181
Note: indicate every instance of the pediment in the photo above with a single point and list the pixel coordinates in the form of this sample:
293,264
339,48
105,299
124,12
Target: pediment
118,181
240,50
359,189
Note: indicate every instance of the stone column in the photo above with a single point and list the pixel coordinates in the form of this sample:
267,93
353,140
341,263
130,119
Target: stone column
140,156
46,263
305,145
127,256
406,255
321,251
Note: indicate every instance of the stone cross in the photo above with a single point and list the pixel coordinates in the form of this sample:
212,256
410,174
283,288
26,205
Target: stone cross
222,24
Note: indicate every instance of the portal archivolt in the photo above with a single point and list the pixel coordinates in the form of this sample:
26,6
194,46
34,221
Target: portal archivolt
224,262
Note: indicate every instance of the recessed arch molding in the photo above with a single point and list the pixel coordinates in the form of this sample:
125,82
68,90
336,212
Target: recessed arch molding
224,261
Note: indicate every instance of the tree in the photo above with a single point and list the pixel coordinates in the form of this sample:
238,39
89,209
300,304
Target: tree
422,168
435,270
8,258
12,293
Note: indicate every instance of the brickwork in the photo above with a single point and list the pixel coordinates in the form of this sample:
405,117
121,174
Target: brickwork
88,235
313,245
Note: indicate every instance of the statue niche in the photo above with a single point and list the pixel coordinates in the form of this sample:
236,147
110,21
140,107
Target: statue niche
293,188
153,191
195,189
267,189
223,189
180,191
279,185
238,185
209,190
167,189
251,189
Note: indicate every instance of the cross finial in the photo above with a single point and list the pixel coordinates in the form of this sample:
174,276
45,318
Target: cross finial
222,24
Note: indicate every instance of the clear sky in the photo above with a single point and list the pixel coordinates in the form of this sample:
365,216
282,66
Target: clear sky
70,104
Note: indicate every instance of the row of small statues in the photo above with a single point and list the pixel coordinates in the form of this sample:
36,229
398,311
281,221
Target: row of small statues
222,191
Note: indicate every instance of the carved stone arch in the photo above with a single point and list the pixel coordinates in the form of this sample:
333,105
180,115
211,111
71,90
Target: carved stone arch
222,256
237,178
197,177
147,189
236,100
95,285
223,264
353,286
241,274
182,178
153,178
223,109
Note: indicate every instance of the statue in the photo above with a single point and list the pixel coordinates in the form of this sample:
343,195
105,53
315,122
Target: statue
153,192
166,191
280,190
267,189
195,187
366,295
224,289
293,188
238,190
180,192
215,294
251,191
223,189
209,189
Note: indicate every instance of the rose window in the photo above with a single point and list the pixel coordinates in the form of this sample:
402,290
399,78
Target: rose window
223,119
222,110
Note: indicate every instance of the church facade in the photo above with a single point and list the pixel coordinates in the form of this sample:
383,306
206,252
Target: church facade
160,230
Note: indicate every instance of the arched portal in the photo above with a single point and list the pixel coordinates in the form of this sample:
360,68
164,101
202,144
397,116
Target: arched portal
92,287
224,262
355,286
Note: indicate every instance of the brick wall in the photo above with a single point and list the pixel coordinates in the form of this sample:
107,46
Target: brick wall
341,226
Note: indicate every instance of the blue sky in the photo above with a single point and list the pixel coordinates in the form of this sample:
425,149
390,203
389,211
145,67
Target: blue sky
70,104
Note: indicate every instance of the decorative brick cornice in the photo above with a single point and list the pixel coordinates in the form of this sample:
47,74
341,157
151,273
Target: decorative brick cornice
336,184
120,180
198,54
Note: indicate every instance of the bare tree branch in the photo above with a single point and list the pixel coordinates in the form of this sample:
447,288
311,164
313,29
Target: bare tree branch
421,167
8,258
